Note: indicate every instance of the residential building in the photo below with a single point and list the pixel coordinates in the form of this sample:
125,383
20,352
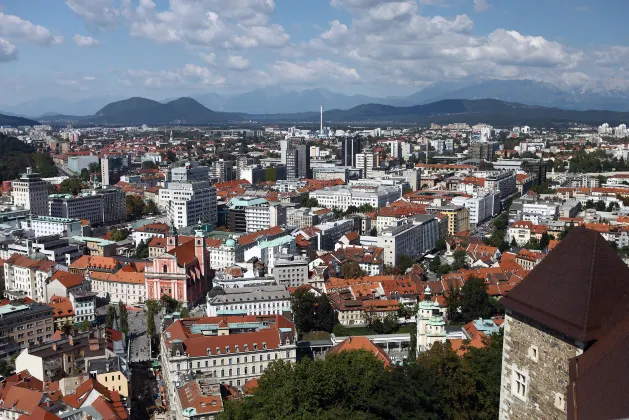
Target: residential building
63,283
149,231
114,205
53,247
482,206
189,203
290,270
482,151
47,225
259,300
367,160
197,398
31,192
26,277
84,305
223,170
267,250
231,349
414,238
264,216
113,373
502,183
329,233
23,325
458,217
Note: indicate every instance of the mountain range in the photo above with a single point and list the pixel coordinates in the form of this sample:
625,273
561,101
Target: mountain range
601,94
188,111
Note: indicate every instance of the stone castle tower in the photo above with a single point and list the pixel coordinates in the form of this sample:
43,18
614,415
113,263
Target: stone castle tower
556,314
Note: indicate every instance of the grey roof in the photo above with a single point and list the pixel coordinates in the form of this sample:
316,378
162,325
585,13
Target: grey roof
251,294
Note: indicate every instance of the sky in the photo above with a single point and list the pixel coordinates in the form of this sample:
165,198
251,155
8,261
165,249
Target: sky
75,49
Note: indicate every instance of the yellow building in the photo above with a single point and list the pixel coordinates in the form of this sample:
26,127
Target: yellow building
458,218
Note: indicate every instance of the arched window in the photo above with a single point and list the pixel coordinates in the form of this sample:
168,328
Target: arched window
165,268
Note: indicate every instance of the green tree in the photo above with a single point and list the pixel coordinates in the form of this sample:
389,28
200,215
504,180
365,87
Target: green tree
85,175
124,318
151,207
351,210
434,264
111,316
135,207
184,312
475,302
94,168
142,250
485,365
118,235
311,313
544,241
460,259
171,156
351,270
325,316
149,164
404,262
71,186
373,232
67,328
600,206
151,331
169,304
412,349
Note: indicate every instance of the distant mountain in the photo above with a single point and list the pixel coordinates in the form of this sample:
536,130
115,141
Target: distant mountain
499,113
46,105
15,121
273,101
136,111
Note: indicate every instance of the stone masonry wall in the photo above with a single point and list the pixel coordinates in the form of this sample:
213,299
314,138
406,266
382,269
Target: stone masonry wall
542,356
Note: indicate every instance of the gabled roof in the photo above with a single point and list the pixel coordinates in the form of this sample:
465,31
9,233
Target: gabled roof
576,289
361,343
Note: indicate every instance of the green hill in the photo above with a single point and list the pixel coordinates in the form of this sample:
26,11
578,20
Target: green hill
16,156
16,121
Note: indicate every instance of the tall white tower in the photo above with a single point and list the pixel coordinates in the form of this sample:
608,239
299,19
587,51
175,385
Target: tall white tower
321,127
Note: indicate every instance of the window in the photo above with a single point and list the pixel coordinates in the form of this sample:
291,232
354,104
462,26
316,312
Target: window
560,402
519,384
534,353
165,268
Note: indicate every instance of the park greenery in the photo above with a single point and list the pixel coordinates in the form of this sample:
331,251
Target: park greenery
312,313
471,302
439,384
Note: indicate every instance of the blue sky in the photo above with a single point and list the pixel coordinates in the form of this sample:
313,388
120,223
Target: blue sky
76,49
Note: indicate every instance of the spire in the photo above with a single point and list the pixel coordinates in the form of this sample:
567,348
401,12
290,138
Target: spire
427,293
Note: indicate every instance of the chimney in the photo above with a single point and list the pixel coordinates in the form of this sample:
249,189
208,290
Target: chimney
71,340
54,345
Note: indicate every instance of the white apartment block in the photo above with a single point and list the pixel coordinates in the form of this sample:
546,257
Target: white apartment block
189,203
84,304
265,300
223,170
290,270
329,233
47,225
541,212
414,238
221,348
482,206
225,254
367,160
343,196
31,192
264,216
25,277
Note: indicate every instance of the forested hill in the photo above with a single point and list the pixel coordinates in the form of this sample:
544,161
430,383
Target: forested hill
16,156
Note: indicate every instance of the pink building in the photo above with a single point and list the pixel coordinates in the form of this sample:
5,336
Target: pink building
182,272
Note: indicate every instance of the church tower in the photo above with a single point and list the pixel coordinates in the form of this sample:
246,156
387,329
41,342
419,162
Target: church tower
431,326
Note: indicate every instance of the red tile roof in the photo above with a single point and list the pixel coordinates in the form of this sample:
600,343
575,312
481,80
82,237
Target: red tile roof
361,343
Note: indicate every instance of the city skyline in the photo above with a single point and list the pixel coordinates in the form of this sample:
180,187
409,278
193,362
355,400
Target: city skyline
159,49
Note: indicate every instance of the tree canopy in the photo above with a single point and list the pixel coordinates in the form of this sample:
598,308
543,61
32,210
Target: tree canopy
312,313
356,385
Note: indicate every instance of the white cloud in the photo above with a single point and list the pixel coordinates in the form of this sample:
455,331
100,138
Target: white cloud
85,41
8,51
99,13
23,30
612,56
90,78
188,76
237,62
313,71
481,5
208,58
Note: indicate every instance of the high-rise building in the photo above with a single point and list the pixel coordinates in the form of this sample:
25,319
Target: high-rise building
104,171
303,161
482,150
350,147
114,205
85,206
296,157
31,192
191,171
188,203
367,160
223,170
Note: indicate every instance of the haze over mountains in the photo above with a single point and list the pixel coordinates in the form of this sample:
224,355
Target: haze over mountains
602,94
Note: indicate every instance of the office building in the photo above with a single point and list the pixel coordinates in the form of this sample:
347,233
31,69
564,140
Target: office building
77,163
190,203
260,300
343,196
458,217
31,192
85,206
114,205
350,147
249,214
189,172
46,225
290,270
296,157
482,151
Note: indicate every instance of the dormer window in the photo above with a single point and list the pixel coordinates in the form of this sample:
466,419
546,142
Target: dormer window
246,347
227,349
209,352
237,349
218,350
264,344
255,346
